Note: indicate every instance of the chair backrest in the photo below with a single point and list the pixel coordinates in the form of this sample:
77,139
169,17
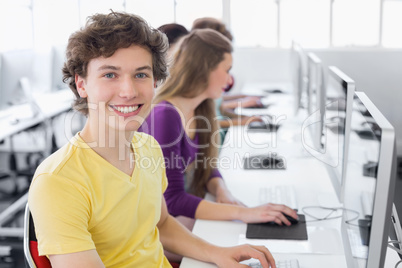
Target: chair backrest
31,244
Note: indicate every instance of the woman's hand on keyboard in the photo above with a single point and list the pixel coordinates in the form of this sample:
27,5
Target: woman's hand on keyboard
231,256
268,213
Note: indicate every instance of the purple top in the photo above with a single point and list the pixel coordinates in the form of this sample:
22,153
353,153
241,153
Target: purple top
179,151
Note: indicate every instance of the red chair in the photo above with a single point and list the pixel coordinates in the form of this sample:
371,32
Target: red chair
31,244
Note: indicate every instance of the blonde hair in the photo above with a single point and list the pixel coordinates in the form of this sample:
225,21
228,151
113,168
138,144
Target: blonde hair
199,54
214,24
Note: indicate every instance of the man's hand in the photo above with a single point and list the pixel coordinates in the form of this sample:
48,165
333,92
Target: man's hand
231,256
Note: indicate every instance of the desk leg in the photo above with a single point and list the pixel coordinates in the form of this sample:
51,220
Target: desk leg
9,213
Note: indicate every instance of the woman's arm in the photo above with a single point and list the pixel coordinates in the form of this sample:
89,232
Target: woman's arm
233,97
249,101
164,124
238,121
227,207
264,213
233,119
217,187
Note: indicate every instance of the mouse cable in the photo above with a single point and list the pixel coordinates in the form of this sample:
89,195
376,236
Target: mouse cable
328,216
399,251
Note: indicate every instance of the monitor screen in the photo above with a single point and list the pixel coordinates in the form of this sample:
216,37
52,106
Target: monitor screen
369,185
299,76
15,65
58,59
339,91
316,99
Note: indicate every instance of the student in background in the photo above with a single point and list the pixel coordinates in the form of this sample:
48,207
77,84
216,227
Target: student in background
184,124
227,103
174,33
95,202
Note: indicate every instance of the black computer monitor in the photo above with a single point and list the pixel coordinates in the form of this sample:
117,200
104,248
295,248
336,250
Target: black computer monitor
15,65
369,187
339,98
316,99
299,76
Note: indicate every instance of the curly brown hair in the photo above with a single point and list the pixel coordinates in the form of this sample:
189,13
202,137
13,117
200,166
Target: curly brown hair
102,35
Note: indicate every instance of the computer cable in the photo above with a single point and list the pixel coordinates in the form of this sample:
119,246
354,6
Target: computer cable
397,264
399,251
328,216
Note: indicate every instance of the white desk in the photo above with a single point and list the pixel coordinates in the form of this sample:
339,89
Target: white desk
226,234
311,182
9,128
51,104
302,171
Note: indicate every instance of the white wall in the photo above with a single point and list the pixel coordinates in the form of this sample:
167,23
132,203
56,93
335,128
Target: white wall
260,65
377,72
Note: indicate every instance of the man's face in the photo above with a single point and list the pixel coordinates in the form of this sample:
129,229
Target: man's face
119,89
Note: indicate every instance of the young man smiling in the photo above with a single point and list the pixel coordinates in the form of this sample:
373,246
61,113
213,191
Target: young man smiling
93,204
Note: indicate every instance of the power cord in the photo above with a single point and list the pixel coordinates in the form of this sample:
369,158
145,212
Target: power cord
333,210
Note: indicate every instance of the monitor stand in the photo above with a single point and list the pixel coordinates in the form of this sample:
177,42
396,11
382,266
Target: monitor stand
27,89
28,110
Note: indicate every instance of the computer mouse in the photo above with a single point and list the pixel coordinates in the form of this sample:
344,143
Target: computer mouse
266,126
14,121
338,128
365,133
258,106
273,90
271,161
370,169
291,219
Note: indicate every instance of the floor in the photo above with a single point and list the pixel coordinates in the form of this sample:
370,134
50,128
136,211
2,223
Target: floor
16,259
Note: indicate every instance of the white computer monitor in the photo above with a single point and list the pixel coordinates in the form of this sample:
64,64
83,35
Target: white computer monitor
395,232
15,65
316,99
58,59
339,98
369,186
299,76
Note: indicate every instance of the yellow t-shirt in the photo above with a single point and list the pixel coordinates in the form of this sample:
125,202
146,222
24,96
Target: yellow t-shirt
79,202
